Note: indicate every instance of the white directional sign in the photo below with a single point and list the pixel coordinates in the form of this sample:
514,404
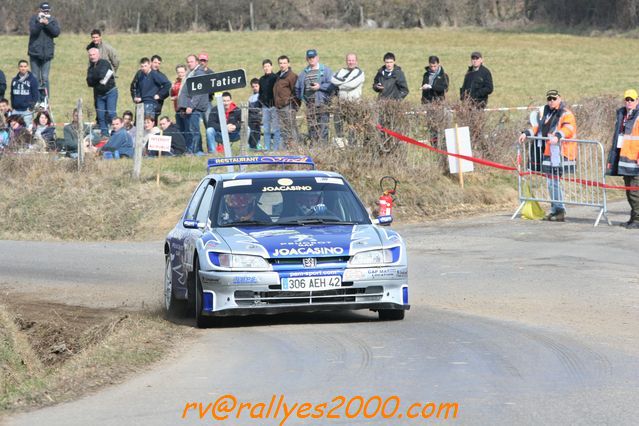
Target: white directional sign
159,143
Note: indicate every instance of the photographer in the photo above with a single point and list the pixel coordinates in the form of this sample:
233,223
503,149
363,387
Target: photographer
43,28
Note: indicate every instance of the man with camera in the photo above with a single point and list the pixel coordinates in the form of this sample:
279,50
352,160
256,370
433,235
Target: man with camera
43,28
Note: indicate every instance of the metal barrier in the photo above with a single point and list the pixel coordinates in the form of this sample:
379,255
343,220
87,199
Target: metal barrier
555,178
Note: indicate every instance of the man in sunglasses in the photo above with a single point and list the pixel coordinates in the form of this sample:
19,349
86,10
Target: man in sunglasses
558,156
623,158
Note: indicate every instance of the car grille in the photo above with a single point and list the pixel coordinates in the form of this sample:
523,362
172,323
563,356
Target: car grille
341,295
299,260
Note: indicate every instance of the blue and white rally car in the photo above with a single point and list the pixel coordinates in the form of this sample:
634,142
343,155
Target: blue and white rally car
262,242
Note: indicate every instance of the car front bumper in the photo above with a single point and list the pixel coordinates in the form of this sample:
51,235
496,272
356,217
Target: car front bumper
247,293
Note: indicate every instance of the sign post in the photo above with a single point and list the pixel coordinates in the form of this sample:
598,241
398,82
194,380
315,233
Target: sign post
159,143
217,83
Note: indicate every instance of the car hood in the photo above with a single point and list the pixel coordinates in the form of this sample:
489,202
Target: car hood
307,241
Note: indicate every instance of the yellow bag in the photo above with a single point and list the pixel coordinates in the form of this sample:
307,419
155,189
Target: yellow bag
531,210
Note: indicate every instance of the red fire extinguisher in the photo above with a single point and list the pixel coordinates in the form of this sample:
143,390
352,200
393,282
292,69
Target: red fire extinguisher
386,200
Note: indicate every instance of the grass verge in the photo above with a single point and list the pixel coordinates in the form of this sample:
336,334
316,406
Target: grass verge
47,358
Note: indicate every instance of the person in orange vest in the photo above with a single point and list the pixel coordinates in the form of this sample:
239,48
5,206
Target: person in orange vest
557,155
623,158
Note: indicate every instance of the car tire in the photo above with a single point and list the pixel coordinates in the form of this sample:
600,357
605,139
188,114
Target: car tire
391,314
172,305
201,321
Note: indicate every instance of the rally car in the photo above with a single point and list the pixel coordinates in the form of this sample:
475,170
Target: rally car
263,242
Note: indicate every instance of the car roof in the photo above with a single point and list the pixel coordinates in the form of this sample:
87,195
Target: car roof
274,174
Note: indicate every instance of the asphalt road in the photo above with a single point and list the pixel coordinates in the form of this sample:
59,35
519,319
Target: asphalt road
518,322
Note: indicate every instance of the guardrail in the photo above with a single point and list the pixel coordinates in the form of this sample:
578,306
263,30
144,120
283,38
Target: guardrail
556,178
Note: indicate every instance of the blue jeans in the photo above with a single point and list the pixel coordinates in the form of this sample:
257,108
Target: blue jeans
556,194
317,118
40,70
105,109
181,123
192,135
271,126
213,135
151,108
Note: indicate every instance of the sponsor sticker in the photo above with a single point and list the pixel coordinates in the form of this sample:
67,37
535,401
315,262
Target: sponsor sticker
285,182
333,180
237,182
287,188
305,251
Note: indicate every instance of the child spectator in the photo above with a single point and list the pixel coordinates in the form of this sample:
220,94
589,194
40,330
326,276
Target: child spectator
43,131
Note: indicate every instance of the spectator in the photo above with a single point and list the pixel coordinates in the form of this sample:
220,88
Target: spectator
269,113
43,28
348,81
434,82
285,101
3,84
101,77
106,50
556,123
5,109
127,123
623,159
203,61
120,141
254,115
24,92
5,133
233,123
390,81
156,62
478,82
192,107
149,129
180,72
20,137
43,131
178,145
149,87
314,88
71,132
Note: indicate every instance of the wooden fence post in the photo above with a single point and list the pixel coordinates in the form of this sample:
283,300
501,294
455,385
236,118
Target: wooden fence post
139,140
80,132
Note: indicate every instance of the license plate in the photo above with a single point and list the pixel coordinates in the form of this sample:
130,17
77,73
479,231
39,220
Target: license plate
311,283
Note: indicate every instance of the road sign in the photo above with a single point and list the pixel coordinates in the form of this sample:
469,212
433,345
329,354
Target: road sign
217,82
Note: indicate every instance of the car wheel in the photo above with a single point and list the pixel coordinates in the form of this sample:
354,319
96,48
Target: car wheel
391,314
201,321
172,305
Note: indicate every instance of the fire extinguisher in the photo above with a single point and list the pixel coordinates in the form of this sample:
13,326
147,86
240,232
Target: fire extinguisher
387,198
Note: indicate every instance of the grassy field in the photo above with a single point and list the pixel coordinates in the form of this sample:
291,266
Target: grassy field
524,66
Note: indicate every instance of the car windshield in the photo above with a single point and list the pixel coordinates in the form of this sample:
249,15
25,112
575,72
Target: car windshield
287,201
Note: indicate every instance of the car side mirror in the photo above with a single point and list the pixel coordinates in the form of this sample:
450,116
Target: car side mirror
383,220
192,224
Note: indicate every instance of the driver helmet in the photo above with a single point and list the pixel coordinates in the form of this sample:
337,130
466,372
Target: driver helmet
309,202
241,204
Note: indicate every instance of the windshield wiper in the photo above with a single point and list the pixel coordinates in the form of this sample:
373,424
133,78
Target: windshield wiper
315,221
245,222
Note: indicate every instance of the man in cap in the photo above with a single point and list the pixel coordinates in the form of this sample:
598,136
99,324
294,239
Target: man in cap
313,87
557,155
478,82
623,158
203,62
43,28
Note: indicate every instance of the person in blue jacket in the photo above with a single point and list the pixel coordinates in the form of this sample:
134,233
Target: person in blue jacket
120,140
149,87
24,92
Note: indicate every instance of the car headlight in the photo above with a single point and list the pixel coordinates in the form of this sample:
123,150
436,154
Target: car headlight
372,258
238,261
